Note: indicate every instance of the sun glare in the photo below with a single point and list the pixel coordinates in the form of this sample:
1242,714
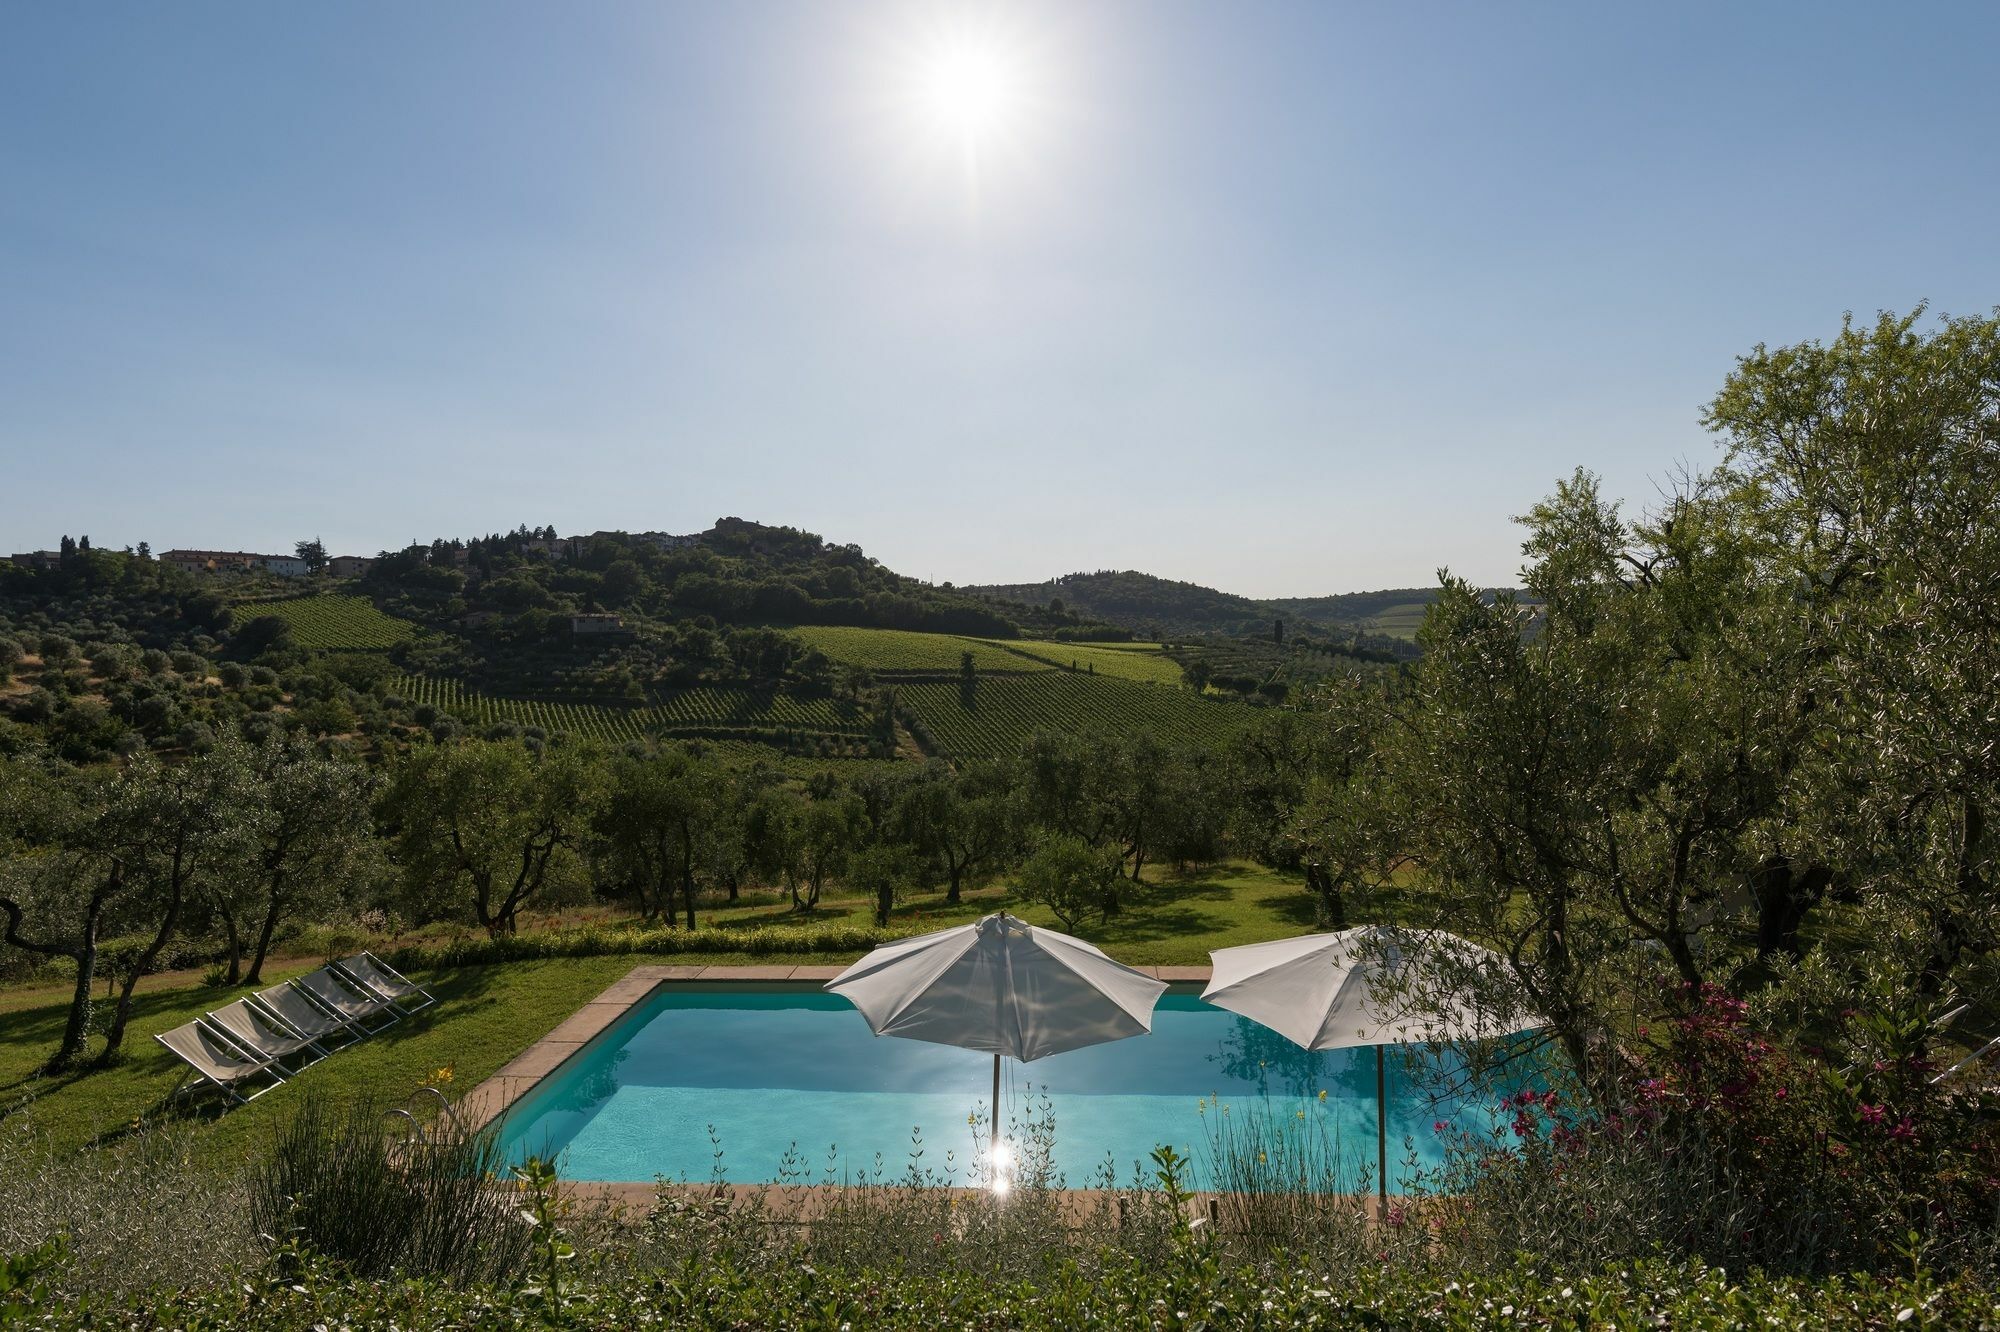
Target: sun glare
967,101
971,87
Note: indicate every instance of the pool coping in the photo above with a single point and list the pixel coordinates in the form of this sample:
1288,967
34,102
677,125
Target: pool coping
519,1076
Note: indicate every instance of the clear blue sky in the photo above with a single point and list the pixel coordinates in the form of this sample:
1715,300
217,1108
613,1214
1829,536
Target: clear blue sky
1286,299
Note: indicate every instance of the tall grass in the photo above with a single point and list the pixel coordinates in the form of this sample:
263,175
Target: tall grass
336,1183
920,1213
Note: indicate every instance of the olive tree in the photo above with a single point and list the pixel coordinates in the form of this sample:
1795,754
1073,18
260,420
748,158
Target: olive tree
489,819
311,830
656,828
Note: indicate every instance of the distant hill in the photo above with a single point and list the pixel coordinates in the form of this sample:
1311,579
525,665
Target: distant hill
766,642
1137,601
1143,603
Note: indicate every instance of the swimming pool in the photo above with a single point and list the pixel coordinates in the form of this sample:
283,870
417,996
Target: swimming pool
792,1074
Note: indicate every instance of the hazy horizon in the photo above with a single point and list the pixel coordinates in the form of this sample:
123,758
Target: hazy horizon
1280,299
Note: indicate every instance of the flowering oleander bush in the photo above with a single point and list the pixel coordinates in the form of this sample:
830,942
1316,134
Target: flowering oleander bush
1726,1146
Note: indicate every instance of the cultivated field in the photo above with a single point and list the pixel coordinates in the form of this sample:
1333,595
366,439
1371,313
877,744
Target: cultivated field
894,650
1120,661
900,651
1400,621
779,721
1006,711
333,623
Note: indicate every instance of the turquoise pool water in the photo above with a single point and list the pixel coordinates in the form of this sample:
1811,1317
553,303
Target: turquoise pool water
791,1081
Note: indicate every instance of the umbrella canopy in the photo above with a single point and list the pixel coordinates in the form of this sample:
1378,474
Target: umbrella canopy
1002,985
1332,991
1354,987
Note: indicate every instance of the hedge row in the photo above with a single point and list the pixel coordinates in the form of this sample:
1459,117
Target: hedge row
596,941
1126,1294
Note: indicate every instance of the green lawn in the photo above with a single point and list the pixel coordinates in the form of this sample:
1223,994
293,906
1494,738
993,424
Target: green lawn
487,1015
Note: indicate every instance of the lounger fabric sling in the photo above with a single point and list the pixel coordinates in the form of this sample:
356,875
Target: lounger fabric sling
351,1004
290,1005
210,1055
375,976
251,1029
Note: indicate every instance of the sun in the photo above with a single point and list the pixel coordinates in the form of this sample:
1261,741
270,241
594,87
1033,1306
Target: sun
968,103
971,87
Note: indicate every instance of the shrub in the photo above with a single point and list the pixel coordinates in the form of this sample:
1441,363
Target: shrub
599,941
334,1183
1729,1149
141,1211
1121,1292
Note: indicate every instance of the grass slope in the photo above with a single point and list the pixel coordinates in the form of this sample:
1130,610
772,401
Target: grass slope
1400,621
894,651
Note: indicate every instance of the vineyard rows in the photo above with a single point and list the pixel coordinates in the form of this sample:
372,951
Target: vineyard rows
712,707
333,623
1007,709
586,720
904,650
1119,663
1006,712
698,712
908,650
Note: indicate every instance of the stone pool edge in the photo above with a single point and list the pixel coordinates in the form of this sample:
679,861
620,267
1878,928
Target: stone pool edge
520,1075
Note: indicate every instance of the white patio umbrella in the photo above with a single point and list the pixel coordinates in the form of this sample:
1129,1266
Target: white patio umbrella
1003,985
1353,987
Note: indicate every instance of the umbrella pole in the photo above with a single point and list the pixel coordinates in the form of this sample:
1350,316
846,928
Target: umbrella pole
993,1129
1382,1134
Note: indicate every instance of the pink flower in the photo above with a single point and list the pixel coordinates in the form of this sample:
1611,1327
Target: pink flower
1871,1114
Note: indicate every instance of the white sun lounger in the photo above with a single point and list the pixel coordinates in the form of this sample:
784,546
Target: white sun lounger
246,1026
210,1055
376,977
346,1002
293,1009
